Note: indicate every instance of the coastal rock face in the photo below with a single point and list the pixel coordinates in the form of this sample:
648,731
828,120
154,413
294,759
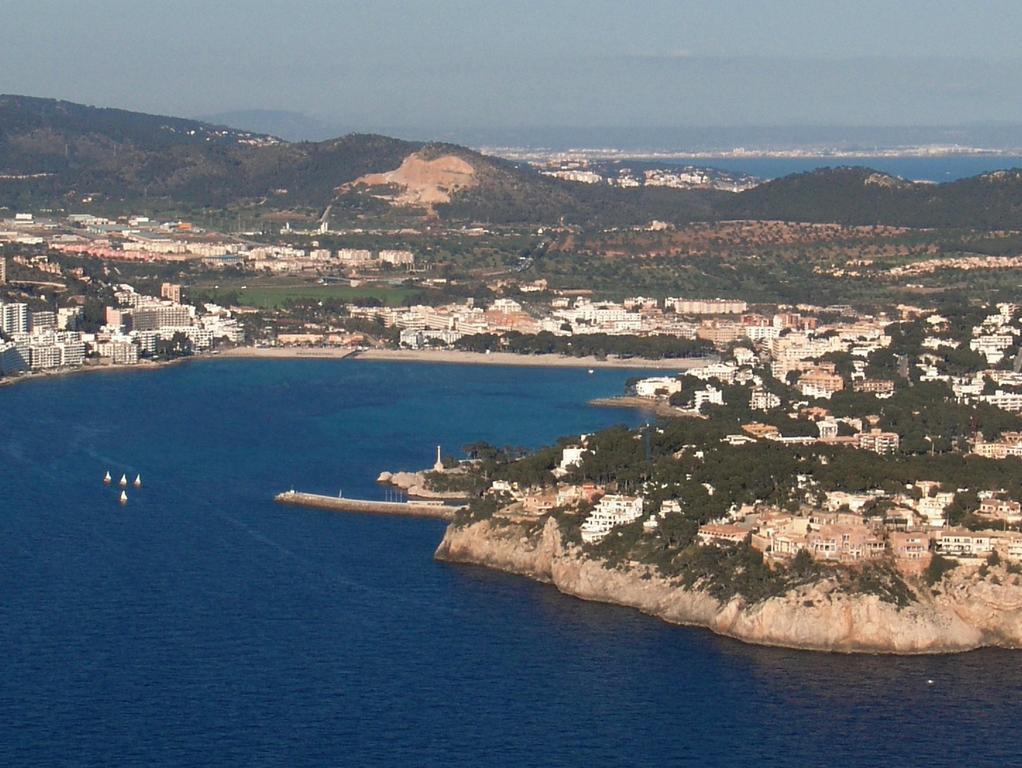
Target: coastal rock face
968,613
414,484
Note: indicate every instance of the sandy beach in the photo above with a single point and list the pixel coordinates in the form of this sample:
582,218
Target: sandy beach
287,353
510,358
381,355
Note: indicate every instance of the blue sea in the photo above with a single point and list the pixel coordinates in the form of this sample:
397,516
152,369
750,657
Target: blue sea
936,169
204,625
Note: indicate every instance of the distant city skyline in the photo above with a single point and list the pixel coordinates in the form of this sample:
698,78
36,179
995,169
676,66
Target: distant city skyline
454,65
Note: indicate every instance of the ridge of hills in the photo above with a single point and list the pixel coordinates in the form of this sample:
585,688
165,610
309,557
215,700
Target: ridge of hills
61,154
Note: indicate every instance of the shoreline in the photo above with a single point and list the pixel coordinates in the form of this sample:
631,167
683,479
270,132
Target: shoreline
513,359
286,353
658,407
449,357
60,373
964,616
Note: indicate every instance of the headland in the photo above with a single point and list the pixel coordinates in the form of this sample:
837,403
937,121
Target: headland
966,612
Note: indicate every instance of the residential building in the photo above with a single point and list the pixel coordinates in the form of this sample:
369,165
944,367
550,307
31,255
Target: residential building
960,542
909,545
612,510
844,543
763,400
707,306
1008,401
1001,509
878,387
879,442
13,318
171,291
571,456
820,382
710,395
713,533
657,386
43,320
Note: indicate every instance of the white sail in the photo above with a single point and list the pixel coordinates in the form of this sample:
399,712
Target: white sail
106,478
138,481
124,481
124,497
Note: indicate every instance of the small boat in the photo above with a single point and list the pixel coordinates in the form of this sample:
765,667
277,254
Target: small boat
107,479
591,371
124,481
124,498
138,481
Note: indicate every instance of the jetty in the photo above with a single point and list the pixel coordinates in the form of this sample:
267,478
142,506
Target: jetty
413,508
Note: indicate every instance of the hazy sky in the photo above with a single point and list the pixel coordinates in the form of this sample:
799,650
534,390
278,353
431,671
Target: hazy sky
456,63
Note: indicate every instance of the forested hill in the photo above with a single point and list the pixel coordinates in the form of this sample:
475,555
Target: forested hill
65,152
61,154
863,196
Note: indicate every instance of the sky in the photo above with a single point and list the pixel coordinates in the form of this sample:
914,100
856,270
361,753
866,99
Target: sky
440,65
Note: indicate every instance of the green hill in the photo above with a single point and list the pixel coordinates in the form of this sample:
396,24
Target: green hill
863,196
57,153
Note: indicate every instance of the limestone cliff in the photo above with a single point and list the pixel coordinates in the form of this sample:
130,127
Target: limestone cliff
964,613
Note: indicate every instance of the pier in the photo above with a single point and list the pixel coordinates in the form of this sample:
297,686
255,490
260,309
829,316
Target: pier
424,508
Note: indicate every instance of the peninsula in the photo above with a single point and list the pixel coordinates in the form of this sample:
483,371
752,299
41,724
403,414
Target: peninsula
851,485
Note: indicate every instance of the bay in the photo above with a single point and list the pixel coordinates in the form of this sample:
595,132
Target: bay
202,624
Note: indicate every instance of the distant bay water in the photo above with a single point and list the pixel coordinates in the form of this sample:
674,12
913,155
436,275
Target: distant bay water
937,168
204,625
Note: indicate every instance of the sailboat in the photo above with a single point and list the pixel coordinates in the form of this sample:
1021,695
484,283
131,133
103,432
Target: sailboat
138,481
124,481
124,498
107,479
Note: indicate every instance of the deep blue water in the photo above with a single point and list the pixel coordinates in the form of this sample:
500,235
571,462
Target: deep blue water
939,169
204,625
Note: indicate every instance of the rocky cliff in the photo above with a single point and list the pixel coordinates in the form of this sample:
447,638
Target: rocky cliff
964,612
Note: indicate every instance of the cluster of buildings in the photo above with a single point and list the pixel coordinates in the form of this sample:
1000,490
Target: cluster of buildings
280,259
793,363
142,321
565,316
580,171
907,527
46,340
137,238
39,340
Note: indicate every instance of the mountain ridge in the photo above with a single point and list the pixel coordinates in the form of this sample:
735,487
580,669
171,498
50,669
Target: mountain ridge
61,154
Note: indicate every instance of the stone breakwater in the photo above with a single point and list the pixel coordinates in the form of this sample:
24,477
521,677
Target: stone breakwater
965,611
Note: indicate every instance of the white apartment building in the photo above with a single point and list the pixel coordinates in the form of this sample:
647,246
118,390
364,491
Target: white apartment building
657,386
959,542
707,306
571,456
724,371
354,256
991,347
397,258
710,395
13,318
506,306
762,400
1008,401
612,510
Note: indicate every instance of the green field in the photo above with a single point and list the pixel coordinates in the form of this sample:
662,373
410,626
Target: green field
271,295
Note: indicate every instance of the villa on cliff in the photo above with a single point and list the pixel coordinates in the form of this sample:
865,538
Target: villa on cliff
611,511
850,538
